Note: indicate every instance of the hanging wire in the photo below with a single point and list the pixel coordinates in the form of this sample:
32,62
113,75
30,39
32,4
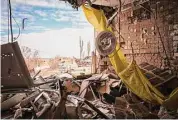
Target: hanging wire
120,36
11,16
10,20
23,23
133,55
119,20
18,28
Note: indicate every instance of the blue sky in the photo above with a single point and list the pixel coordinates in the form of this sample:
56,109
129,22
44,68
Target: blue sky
52,26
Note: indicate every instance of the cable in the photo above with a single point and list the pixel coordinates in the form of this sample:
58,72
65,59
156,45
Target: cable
8,19
119,20
11,20
18,27
11,16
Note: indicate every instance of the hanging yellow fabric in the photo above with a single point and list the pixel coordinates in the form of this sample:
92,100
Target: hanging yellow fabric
172,102
130,74
96,18
138,83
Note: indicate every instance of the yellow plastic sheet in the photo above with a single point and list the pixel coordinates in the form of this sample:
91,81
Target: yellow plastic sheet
138,84
96,18
172,102
130,74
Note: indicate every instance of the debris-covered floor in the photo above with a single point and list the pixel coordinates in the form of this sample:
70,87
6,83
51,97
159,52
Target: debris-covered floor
122,90
100,96
95,96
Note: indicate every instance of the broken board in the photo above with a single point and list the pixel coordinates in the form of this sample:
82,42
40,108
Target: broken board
14,73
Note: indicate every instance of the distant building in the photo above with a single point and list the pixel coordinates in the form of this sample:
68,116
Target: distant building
67,64
42,63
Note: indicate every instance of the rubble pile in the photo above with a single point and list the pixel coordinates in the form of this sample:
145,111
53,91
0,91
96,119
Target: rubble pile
142,91
95,96
99,97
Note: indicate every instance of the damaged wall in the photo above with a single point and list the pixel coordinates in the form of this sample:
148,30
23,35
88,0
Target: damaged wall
137,25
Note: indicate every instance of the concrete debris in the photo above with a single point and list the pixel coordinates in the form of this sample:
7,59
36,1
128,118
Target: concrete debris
97,96
7,104
61,100
166,114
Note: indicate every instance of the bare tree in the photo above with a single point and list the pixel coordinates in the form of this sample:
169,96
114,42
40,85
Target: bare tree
26,51
36,54
88,48
36,57
81,46
31,56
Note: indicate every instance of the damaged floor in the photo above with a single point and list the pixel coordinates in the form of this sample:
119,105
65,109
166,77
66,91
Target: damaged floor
97,96
101,96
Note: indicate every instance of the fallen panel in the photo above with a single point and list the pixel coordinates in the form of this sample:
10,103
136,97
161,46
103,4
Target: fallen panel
14,72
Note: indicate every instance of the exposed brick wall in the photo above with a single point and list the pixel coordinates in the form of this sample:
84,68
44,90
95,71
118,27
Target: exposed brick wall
144,34
145,37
